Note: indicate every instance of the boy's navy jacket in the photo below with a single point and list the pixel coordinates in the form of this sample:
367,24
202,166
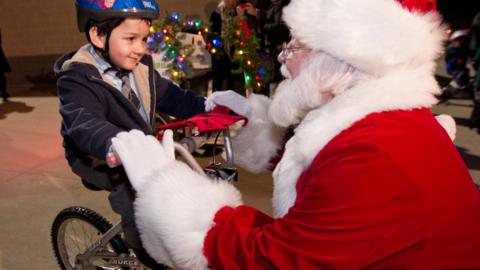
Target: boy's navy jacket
94,111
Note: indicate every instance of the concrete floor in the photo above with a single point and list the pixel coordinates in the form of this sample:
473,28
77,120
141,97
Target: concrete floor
36,183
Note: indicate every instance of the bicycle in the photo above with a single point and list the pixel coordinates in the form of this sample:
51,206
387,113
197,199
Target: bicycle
84,239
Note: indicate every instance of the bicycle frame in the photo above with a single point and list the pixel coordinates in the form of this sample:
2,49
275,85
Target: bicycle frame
113,260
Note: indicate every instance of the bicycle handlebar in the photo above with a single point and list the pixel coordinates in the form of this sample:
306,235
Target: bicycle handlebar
184,148
188,158
218,120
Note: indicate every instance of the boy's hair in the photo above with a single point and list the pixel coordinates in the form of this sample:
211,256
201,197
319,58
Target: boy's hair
106,27
103,28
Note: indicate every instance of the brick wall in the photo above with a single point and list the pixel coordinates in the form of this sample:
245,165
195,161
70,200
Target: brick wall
36,32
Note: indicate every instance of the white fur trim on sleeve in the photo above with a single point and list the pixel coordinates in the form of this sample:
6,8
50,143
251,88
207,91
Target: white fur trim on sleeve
175,211
448,123
258,142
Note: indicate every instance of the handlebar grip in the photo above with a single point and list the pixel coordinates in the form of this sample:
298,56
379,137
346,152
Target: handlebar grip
190,143
113,160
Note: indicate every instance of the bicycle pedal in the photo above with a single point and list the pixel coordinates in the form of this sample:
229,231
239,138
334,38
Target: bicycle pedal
221,172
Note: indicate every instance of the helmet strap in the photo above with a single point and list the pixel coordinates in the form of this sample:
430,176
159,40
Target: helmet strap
105,51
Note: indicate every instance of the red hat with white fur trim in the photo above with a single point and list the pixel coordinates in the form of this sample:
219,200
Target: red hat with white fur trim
375,36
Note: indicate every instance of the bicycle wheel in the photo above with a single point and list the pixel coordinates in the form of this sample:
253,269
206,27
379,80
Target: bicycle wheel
74,230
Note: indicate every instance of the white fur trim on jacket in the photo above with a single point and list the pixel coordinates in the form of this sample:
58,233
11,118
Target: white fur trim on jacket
402,90
448,123
258,142
376,36
175,211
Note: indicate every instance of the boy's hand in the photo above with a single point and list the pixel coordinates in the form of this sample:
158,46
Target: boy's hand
229,99
143,156
240,11
250,9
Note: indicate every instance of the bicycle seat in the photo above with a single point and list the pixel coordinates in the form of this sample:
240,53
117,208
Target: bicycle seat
219,118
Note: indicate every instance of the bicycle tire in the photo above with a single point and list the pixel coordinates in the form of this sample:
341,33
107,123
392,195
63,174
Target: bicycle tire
86,216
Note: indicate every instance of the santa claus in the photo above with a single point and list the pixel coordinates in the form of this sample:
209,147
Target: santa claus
369,179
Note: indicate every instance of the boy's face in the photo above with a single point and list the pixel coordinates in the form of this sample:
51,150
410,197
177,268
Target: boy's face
128,43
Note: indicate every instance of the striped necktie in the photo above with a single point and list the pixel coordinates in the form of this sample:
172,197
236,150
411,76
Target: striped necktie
127,90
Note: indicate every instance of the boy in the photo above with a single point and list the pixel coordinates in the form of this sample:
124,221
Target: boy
109,86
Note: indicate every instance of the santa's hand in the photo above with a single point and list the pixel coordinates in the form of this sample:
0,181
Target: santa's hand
142,156
229,99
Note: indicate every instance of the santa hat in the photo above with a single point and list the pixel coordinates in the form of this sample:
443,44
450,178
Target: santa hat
375,36
419,5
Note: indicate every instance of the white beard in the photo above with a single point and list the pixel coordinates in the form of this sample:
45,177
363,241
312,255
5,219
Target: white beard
287,107
321,78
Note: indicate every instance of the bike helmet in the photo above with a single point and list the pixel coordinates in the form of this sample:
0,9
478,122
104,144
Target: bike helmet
457,34
101,10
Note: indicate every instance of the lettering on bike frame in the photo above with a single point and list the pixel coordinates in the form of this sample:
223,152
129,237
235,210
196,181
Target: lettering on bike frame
125,262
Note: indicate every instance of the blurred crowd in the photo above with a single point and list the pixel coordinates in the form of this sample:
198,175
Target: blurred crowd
462,59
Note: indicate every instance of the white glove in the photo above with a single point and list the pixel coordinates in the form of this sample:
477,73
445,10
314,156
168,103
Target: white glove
229,99
142,156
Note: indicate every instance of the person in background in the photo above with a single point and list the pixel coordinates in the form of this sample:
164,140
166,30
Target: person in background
221,61
457,57
248,9
276,35
271,30
475,47
260,7
4,68
370,178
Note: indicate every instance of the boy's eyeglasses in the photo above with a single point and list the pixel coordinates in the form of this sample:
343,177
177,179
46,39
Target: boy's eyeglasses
287,50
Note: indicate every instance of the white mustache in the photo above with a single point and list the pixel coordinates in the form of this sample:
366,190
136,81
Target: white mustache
285,72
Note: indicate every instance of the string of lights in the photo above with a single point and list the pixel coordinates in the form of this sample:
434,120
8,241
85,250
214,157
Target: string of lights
167,35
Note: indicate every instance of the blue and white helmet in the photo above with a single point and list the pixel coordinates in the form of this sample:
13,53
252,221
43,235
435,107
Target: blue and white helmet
101,10
457,34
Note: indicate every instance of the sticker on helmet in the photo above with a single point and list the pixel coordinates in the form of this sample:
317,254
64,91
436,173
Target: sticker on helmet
103,4
109,3
148,4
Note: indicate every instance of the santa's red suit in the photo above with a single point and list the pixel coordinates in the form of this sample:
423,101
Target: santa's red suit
369,180
390,191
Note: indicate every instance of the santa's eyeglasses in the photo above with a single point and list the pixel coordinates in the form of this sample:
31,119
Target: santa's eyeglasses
288,49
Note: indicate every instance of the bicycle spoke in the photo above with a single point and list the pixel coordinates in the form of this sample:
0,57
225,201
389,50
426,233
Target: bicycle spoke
78,236
74,237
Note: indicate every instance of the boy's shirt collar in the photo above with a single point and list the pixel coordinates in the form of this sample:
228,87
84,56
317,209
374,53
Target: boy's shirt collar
101,64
